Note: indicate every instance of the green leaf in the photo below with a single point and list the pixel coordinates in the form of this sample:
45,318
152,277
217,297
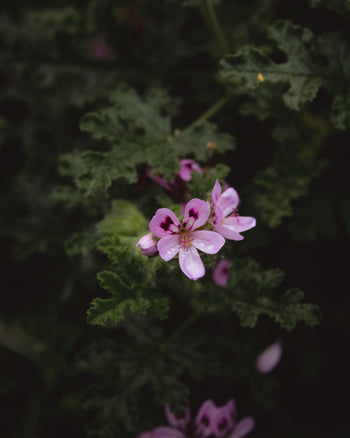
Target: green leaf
104,312
138,132
254,68
311,62
250,292
124,219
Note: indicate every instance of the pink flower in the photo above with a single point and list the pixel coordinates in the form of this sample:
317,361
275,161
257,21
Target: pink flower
187,167
147,245
177,186
181,238
211,420
225,218
221,272
269,358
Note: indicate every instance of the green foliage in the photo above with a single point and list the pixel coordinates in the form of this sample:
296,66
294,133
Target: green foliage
312,62
251,292
145,360
139,132
133,285
201,184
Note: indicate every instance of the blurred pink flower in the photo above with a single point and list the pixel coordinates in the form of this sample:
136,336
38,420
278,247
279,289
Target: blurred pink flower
147,244
269,358
221,272
211,420
181,238
225,218
187,167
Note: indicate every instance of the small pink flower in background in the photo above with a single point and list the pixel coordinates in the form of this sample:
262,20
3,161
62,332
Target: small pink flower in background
221,272
225,219
211,420
181,238
177,186
100,50
187,167
269,358
147,245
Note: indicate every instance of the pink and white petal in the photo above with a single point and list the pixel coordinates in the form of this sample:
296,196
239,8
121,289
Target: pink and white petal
167,432
243,427
196,214
269,358
190,263
228,231
179,422
241,223
164,223
207,241
168,247
221,272
205,419
228,201
216,192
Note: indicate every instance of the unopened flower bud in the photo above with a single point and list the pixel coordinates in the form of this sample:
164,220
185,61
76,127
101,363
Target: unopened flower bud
147,245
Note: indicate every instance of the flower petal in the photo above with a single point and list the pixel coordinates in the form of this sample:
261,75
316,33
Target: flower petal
224,419
241,223
179,422
216,192
190,263
227,231
196,214
164,223
228,201
242,428
269,358
168,247
207,241
205,418
221,272
167,432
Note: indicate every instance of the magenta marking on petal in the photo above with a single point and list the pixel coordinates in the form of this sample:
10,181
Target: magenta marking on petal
222,425
166,224
205,420
193,213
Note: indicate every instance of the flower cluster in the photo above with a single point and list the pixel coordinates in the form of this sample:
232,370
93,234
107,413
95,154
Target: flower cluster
204,227
211,420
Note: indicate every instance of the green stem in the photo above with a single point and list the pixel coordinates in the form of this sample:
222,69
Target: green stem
210,111
189,321
20,342
210,17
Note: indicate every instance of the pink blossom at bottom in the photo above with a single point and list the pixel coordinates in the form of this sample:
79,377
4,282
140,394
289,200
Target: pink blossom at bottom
211,421
269,358
221,272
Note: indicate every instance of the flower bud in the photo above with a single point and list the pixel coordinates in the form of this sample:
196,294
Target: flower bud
147,245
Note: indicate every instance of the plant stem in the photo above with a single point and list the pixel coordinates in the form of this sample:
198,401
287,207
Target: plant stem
20,342
210,17
210,111
189,321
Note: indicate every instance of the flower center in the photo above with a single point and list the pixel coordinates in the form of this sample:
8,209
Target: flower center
185,239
